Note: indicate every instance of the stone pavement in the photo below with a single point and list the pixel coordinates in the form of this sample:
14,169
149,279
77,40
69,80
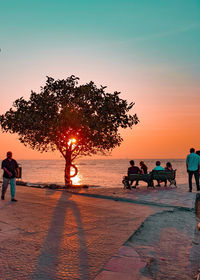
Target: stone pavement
52,234
126,263
77,234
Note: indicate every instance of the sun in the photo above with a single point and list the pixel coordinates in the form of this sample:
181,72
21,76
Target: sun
71,141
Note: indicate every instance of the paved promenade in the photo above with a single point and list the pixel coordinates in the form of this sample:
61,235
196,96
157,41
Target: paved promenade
78,234
127,263
163,196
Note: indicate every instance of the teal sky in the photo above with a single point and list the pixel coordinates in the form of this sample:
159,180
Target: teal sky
148,49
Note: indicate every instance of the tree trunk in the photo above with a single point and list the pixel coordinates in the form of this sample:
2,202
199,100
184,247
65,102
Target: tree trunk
68,176
68,181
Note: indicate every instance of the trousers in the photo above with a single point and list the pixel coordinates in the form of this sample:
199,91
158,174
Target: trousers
196,176
6,181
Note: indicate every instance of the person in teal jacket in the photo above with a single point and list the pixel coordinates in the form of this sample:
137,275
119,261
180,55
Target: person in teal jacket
193,167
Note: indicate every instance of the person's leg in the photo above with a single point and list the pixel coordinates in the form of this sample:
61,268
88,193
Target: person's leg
196,176
137,182
190,174
125,181
4,187
12,188
158,183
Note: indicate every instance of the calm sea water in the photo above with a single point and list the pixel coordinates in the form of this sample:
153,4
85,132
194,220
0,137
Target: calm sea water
93,172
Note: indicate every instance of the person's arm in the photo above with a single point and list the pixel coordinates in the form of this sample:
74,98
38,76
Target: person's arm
17,172
16,169
5,169
187,159
8,172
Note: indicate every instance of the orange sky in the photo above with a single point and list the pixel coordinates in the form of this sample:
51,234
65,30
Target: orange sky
168,128
148,52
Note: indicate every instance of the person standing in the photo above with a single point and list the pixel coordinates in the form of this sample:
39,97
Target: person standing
193,167
11,171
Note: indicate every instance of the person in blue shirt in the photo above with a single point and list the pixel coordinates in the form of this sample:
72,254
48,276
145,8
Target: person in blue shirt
193,167
159,167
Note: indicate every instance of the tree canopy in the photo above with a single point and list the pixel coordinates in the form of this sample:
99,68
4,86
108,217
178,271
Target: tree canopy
64,110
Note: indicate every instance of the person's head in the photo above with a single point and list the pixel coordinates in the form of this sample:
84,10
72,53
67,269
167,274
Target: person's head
198,153
141,163
168,164
158,163
192,150
132,162
9,154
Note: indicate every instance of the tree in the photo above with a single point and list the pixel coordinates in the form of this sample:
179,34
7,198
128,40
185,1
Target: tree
77,120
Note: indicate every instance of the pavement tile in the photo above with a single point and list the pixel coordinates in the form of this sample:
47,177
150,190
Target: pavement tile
125,264
128,252
110,275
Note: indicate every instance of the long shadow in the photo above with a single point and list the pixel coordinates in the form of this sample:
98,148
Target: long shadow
48,260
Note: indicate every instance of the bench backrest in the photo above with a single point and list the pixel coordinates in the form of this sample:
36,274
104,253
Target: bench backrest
139,176
163,174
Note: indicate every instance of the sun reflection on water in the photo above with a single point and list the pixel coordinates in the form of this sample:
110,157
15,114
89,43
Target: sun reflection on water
77,179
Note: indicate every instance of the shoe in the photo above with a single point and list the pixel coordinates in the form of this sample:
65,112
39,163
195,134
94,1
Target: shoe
14,200
2,197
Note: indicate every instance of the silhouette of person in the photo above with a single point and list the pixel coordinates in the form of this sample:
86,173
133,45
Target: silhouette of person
193,167
143,167
158,168
11,170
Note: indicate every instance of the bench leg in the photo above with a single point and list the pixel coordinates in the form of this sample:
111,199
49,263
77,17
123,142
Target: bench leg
150,184
126,184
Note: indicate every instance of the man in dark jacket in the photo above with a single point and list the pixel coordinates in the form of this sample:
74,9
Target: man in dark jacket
11,171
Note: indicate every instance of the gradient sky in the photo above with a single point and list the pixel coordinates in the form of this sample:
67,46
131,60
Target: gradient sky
147,49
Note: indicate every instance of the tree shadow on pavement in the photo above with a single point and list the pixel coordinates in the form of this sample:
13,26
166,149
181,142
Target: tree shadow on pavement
50,255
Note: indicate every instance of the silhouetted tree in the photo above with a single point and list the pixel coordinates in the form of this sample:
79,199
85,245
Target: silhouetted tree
77,120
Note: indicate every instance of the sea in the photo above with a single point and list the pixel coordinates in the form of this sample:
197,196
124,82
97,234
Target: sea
107,173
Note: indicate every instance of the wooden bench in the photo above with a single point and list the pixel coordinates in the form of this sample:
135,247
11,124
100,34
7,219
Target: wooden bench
161,175
164,176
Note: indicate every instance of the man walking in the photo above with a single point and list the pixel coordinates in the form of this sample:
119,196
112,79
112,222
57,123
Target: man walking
193,167
11,170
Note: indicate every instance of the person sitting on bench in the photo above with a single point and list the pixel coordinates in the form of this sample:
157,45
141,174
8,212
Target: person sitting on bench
143,167
133,169
168,166
159,167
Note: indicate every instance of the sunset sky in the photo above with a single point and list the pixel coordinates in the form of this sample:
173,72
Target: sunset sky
147,49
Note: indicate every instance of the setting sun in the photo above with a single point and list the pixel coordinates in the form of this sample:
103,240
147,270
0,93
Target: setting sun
71,141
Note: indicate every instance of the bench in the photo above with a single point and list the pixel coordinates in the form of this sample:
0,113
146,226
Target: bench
164,176
159,175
